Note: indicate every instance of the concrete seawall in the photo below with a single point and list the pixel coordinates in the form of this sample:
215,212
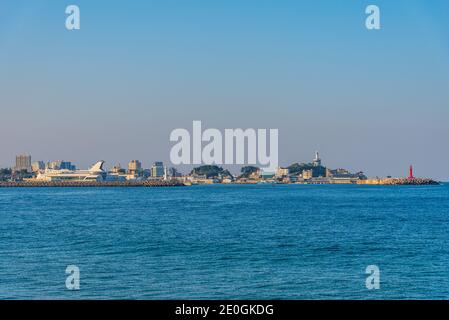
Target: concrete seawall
147,183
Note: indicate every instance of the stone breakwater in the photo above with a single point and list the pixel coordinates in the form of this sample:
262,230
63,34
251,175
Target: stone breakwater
399,181
146,183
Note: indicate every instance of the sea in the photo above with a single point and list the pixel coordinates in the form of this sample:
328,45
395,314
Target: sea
225,242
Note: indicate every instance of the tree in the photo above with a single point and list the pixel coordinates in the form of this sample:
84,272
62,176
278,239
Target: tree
247,171
5,174
210,171
5,171
298,168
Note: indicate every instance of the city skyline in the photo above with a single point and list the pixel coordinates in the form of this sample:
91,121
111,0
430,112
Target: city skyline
134,165
64,173
372,100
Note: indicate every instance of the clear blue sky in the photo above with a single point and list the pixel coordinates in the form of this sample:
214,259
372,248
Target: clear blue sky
367,100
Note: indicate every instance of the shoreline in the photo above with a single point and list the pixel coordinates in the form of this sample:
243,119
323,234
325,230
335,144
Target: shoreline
174,183
81,184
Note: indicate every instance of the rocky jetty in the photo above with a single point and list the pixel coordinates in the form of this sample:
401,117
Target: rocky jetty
399,181
412,181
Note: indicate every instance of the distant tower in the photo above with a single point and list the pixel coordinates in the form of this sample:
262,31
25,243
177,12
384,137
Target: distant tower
411,173
317,161
165,173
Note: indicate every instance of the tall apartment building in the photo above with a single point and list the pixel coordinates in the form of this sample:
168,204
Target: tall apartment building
23,162
134,167
157,170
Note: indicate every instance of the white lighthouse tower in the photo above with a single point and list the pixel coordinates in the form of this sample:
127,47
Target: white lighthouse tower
317,161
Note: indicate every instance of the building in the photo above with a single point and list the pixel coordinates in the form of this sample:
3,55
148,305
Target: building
67,165
255,175
94,173
134,167
266,175
118,170
173,172
341,173
157,170
61,165
23,163
37,166
117,173
307,174
282,172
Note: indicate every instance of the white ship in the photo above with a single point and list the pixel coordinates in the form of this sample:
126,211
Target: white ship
94,173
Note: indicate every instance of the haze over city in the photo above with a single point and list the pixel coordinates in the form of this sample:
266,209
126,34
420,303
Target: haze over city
371,100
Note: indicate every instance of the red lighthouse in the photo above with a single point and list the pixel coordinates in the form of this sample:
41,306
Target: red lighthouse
411,173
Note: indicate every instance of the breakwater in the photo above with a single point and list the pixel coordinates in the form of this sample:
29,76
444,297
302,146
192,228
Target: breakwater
145,183
399,181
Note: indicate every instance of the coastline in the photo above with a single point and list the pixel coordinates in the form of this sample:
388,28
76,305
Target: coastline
176,183
80,184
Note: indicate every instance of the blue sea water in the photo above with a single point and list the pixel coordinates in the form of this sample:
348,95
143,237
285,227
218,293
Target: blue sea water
225,242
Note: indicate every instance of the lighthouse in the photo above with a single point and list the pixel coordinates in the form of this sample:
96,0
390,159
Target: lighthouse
411,173
317,161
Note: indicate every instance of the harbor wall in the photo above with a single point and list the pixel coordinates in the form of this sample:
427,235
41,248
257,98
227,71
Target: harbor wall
37,183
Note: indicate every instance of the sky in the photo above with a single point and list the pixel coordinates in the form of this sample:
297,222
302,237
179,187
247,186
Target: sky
370,100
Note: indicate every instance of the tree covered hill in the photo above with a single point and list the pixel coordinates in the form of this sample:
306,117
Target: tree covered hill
210,171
